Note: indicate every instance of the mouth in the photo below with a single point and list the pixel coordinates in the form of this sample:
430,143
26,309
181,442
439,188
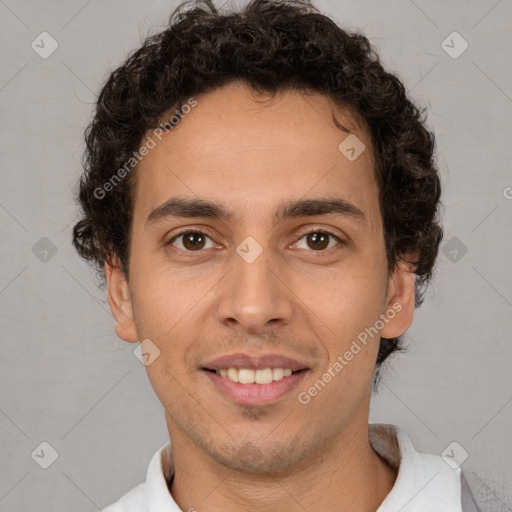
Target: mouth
250,387
254,379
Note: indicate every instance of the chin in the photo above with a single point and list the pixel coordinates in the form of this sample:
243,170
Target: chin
260,457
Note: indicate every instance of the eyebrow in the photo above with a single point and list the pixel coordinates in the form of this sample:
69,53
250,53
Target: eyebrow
181,207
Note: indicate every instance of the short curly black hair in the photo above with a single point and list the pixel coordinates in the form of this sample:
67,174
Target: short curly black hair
272,46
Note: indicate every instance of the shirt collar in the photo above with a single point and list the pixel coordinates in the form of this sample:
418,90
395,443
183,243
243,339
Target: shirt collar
425,482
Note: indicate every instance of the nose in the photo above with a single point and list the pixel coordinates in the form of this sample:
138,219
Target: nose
254,297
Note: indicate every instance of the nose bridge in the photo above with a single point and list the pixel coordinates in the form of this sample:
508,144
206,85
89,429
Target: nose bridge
253,295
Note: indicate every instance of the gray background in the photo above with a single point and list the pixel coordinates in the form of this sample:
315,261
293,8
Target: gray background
65,378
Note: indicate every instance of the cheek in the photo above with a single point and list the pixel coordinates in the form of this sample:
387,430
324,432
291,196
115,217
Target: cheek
164,313
163,298
351,298
167,304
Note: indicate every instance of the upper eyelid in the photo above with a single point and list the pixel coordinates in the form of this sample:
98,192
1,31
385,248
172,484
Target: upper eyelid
201,231
320,230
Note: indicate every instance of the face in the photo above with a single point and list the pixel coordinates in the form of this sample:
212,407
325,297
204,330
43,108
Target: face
282,270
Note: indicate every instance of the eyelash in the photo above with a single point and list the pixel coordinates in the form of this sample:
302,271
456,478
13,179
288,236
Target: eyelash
196,231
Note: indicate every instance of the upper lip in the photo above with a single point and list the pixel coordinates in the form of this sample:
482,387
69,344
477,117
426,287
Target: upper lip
241,360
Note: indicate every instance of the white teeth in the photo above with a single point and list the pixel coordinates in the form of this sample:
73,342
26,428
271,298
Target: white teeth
248,376
277,373
233,374
263,376
245,376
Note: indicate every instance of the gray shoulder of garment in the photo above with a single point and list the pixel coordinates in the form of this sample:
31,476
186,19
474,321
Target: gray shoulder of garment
478,495
468,502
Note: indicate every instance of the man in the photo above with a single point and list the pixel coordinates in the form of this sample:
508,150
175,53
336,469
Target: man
262,199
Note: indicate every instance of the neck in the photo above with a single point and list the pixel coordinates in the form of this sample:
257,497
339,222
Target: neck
347,475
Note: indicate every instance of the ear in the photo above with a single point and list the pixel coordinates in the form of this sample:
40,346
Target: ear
119,299
400,298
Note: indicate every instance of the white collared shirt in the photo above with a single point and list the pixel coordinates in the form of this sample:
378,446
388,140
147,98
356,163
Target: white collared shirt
425,482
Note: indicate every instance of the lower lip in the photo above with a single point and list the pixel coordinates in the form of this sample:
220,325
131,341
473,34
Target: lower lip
256,394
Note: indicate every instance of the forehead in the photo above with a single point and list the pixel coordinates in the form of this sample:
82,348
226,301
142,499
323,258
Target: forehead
252,152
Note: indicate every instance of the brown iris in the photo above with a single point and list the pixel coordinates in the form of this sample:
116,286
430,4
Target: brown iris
193,241
320,240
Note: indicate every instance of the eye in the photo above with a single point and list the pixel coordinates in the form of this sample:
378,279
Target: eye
318,239
193,241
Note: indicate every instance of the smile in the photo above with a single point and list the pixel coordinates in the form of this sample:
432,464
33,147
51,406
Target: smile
254,387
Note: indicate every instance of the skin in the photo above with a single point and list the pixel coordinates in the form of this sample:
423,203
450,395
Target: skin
294,299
